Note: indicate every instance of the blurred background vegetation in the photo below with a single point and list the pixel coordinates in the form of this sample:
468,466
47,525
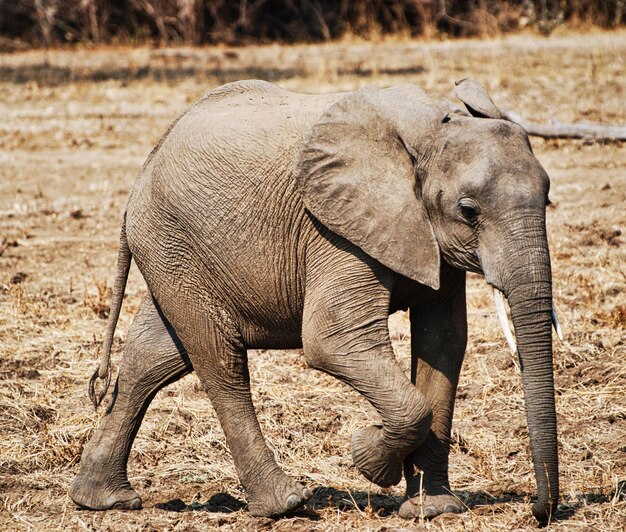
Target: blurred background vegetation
28,23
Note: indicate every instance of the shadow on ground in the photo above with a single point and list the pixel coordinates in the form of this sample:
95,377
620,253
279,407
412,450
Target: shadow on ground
374,503
218,503
567,508
380,504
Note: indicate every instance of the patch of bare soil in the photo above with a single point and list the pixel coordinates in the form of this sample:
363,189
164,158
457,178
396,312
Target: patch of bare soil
73,135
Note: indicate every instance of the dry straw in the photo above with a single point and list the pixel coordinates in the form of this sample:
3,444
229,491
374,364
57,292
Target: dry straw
73,137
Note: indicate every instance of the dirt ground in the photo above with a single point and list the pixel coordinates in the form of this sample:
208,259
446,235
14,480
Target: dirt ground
75,128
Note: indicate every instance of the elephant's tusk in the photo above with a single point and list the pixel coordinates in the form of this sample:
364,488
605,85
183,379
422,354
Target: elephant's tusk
557,325
504,320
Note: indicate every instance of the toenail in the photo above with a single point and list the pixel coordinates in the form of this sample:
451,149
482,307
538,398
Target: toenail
292,502
135,504
307,493
408,511
451,508
430,511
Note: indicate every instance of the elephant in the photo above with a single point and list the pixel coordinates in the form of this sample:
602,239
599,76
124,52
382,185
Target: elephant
268,219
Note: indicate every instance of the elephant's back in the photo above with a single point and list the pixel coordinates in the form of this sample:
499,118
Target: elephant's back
248,120
237,139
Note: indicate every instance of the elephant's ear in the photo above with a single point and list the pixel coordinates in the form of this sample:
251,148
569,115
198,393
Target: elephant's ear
357,176
476,99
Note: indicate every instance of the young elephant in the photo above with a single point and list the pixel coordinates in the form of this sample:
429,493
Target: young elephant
266,219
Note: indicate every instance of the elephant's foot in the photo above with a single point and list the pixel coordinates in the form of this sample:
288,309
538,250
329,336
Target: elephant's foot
429,506
373,459
94,493
277,497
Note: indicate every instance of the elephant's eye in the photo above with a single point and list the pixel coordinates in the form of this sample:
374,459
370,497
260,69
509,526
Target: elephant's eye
469,210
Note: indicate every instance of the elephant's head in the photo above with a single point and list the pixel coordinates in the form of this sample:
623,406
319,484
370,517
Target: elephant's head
394,173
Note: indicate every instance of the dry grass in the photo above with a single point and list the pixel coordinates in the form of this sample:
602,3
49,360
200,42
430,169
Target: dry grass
72,138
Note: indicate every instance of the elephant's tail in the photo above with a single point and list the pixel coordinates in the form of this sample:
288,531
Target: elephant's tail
104,369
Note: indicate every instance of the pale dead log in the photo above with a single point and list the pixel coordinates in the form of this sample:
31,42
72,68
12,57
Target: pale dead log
578,130
558,130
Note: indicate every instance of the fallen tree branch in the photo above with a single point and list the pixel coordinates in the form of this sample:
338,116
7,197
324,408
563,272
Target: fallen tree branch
579,130
558,130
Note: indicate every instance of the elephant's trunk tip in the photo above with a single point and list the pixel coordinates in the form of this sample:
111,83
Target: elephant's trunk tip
543,511
545,508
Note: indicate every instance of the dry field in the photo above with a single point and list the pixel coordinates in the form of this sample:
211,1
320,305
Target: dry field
73,135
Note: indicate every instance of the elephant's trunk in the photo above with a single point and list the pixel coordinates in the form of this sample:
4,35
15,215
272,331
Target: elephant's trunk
531,311
528,287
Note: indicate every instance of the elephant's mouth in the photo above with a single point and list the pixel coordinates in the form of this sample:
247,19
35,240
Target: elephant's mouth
507,327
468,260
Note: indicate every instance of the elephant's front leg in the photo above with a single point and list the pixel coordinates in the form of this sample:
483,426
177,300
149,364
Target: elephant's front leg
438,341
345,334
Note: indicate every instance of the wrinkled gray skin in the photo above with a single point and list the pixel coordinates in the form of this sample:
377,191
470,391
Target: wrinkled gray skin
266,219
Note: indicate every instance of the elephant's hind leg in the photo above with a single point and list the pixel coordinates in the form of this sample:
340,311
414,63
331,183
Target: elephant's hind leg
153,357
220,361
